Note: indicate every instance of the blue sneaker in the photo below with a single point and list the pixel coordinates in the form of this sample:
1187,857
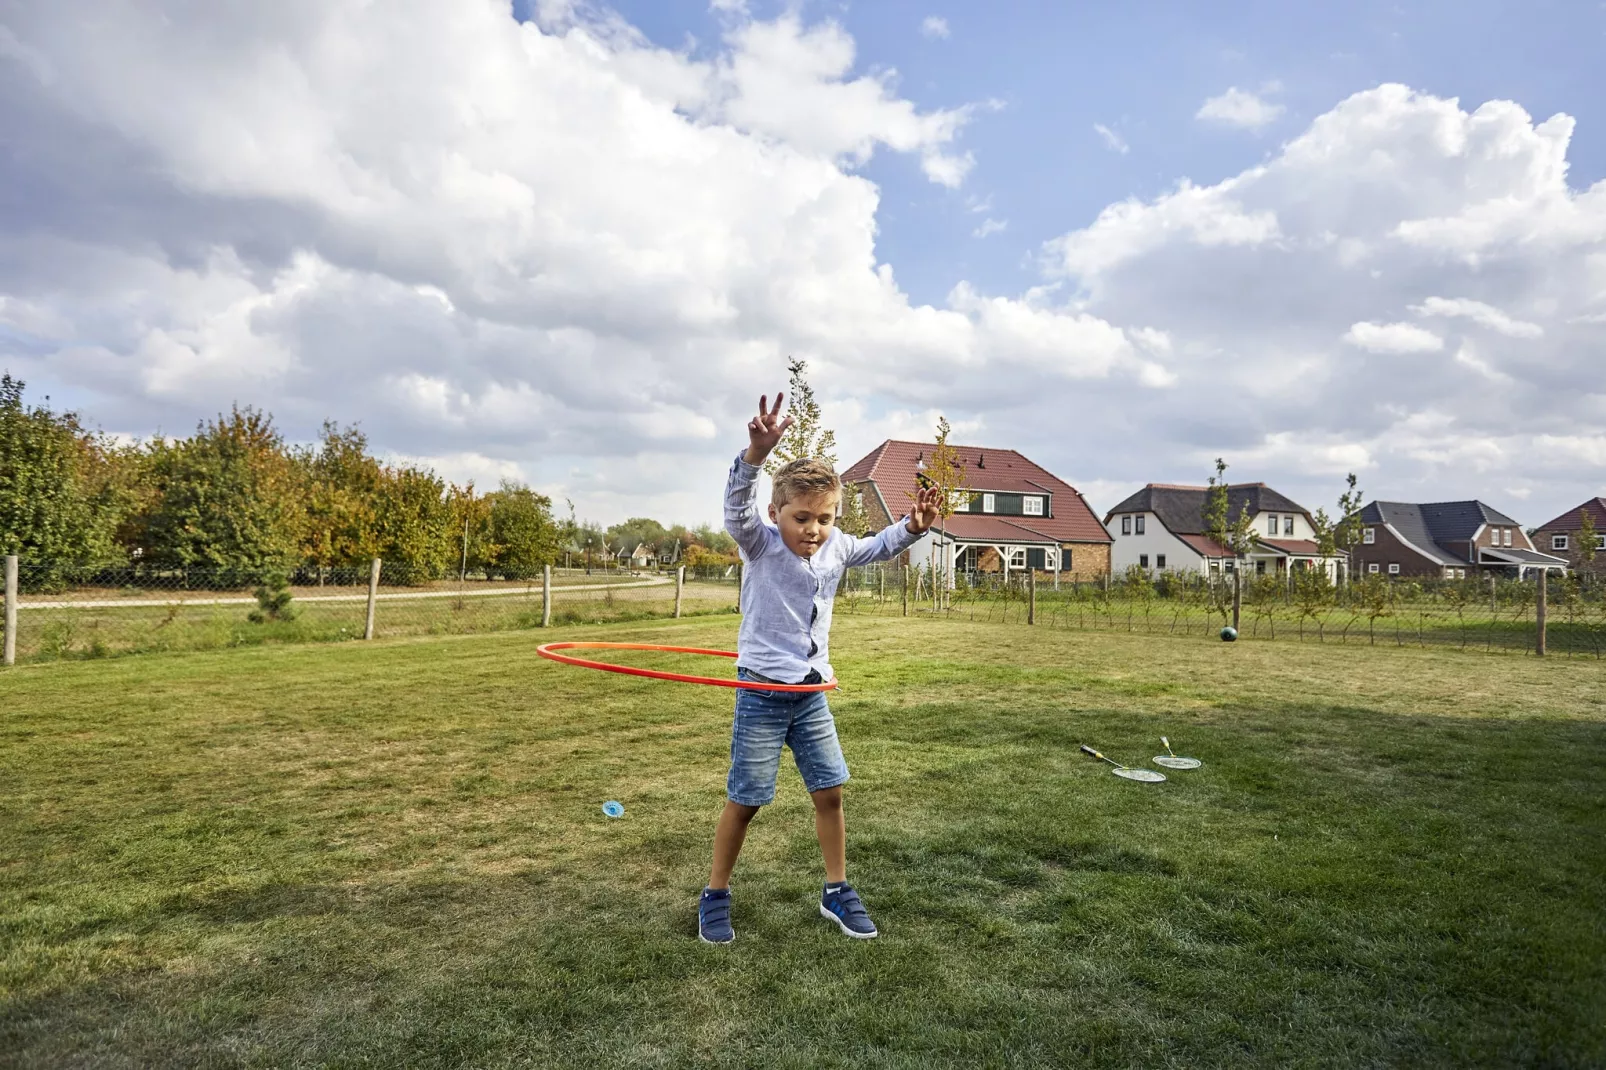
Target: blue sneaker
841,904
714,917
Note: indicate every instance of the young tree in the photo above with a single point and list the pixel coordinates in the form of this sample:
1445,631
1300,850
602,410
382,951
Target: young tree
522,530
1335,538
415,526
946,471
854,520
807,437
1235,533
1587,539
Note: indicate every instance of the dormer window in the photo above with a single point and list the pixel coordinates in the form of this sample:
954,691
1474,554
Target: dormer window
961,502
988,503
1032,506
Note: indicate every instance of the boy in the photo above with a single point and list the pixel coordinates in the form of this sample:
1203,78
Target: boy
790,577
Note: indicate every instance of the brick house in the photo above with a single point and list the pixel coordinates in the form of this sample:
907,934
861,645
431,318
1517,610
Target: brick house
1448,540
1015,515
1562,536
1161,528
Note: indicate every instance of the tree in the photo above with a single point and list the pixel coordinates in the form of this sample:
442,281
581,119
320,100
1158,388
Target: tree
854,520
1587,538
414,524
60,501
1335,538
226,499
945,471
806,437
522,530
1234,533
634,532
341,488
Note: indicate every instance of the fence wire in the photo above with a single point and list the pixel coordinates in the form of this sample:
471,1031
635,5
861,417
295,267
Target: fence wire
74,612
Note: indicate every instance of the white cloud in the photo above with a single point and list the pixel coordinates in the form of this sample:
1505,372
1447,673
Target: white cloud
934,26
1239,107
1113,141
1393,338
1481,314
574,255
990,226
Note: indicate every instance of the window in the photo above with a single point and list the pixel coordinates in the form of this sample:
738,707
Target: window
1137,524
1372,567
1126,525
1065,558
1032,506
1558,542
1600,542
1260,568
1369,537
1159,561
1508,536
1037,559
1229,565
1143,560
1394,570
961,503
986,503
1271,525
1288,525
1017,557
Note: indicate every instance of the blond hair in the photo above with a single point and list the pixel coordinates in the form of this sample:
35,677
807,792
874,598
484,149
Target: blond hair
804,476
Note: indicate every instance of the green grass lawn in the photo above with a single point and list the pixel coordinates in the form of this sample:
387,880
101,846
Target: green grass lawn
392,854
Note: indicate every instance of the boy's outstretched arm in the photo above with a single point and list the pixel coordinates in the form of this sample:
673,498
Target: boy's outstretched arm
899,535
742,521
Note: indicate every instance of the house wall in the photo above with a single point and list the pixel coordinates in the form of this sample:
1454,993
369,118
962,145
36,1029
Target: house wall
1089,560
1302,527
1154,541
1519,538
1389,549
1574,551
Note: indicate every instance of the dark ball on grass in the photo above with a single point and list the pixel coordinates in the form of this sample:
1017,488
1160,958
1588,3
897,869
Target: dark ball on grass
1229,634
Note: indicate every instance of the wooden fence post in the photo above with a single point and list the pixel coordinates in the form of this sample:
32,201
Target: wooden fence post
1031,596
1237,593
546,596
905,571
1539,612
373,595
11,610
680,585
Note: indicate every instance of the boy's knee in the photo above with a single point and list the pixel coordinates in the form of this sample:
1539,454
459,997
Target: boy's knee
741,811
827,800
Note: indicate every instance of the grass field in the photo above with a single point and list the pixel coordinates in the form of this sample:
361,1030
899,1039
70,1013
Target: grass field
392,854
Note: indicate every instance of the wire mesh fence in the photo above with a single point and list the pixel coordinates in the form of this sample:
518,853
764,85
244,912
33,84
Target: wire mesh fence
1488,613
81,612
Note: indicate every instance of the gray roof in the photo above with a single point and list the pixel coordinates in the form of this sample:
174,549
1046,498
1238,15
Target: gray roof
1521,556
1426,525
1181,509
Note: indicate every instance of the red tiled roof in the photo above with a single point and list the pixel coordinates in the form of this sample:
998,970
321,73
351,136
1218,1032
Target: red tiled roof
1568,521
892,465
1205,545
1301,547
997,529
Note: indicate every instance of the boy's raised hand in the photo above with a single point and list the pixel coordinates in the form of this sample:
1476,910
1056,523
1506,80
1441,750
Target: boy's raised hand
764,431
927,508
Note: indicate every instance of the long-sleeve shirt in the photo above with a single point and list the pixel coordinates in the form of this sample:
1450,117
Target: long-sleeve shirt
786,599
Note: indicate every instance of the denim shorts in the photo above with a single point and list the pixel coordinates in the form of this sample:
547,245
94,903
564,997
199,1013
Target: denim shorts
767,719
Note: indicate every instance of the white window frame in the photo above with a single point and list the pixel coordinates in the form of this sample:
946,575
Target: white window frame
987,504
1369,536
1508,536
1126,524
1394,569
962,502
1017,557
1137,524
1288,525
1600,542
1031,505
1558,542
1371,566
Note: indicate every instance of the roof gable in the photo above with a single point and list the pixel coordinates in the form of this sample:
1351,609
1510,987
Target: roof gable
1181,508
1568,521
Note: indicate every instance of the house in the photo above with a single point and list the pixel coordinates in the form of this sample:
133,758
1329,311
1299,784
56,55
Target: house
1013,515
1563,536
1448,540
1162,528
643,557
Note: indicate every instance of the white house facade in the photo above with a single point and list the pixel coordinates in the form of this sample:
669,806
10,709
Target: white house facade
1161,528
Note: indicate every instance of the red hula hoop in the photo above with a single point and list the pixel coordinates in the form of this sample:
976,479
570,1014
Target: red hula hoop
550,650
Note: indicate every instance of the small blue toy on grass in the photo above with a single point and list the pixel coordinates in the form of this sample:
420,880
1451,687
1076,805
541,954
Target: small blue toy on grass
613,808
1228,634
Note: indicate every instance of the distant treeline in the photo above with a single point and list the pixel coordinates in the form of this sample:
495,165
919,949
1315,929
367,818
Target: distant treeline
234,497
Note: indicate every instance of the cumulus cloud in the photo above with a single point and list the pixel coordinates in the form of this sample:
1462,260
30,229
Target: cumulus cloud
1112,141
573,255
1393,338
1239,107
934,26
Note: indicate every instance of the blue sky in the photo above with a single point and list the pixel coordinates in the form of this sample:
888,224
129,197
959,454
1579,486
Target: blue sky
1142,70
568,244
